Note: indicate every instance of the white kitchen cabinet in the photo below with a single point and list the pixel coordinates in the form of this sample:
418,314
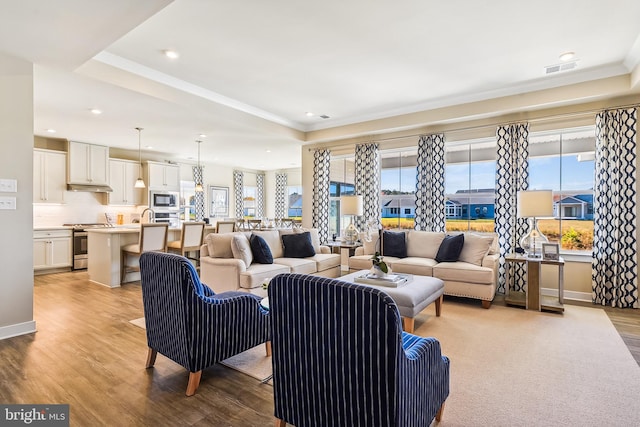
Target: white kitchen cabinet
163,176
49,176
88,164
122,179
52,249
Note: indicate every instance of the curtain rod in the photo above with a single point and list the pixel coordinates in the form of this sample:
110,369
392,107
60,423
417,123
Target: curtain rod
490,125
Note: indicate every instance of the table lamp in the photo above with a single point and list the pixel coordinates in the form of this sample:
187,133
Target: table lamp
351,205
533,204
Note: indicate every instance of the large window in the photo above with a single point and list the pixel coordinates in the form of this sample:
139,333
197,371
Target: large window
342,181
398,188
294,201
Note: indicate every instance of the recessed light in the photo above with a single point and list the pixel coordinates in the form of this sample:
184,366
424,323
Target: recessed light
309,114
172,54
96,111
202,135
567,56
51,130
149,147
267,151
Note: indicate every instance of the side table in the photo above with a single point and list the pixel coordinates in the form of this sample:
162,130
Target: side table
531,299
345,250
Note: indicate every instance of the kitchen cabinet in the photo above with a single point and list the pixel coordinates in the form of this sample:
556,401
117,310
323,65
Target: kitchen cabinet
88,164
163,176
122,179
49,176
52,249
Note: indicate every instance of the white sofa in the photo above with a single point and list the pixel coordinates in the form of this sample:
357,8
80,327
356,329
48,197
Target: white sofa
222,271
474,275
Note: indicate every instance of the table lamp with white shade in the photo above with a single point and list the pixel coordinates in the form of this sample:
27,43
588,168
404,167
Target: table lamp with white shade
534,204
351,205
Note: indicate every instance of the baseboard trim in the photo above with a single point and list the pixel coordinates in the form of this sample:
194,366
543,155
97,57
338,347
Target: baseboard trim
17,329
568,295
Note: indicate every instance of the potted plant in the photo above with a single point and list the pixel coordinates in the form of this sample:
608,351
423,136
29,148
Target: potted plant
379,268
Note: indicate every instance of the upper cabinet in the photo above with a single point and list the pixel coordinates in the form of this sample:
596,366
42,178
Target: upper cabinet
88,164
122,179
163,176
49,176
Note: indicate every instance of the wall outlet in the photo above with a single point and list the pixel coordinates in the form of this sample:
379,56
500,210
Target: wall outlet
8,185
8,203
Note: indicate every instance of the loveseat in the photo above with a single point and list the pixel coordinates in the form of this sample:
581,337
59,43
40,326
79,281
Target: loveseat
244,260
472,272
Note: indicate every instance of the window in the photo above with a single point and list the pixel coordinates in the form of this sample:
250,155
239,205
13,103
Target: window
342,180
249,201
294,201
398,188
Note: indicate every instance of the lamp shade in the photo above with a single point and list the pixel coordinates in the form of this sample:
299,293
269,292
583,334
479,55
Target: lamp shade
351,205
535,203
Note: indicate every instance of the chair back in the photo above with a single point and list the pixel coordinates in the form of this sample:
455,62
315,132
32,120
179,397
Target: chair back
192,236
335,348
296,223
225,226
286,223
254,224
153,237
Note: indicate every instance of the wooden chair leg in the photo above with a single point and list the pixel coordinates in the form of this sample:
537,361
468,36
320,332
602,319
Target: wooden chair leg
486,304
407,324
279,423
440,412
194,382
439,305
268,348
151,357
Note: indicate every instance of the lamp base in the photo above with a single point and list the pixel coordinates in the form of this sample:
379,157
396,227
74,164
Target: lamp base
350,234
533,240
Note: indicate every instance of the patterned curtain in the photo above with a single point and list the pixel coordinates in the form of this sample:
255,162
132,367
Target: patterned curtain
367,182
238,189
614,269
512,175
430,203
321,169
259,195
281,194
199,196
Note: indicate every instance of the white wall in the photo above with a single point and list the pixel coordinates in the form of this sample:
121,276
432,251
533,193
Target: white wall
16,252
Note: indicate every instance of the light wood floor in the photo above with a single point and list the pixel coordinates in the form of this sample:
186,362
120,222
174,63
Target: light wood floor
87,354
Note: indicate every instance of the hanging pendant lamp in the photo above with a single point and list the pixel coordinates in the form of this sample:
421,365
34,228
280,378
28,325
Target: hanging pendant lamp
139,182
199,187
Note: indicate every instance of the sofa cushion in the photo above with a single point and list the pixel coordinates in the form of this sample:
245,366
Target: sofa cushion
325,261
475,248
297,245
463,272
414,265
219,245
394,244
298,265
272,237
241,249
260,250
360,262
257,273
423,244
370,244
450,248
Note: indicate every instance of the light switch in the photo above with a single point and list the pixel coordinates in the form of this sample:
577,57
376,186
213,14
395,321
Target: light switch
8,203
8,185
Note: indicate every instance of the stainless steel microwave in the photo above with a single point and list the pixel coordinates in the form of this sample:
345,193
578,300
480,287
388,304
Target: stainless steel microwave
164,200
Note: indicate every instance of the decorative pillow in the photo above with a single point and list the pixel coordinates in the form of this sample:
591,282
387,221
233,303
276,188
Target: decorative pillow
298,245
219,245
475,248
241,249
260,250
394,244
450,248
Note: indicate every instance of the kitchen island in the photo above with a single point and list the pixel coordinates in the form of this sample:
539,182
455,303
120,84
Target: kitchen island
104,246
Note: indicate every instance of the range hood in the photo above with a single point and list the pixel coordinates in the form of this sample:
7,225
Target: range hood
89,188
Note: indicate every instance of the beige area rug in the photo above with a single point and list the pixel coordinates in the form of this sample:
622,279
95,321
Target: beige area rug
511,367
252,362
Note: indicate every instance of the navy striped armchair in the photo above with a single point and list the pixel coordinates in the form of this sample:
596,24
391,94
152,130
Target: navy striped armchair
340,358
190,324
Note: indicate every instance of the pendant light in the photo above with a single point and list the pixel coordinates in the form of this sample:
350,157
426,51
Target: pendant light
199,188
139,181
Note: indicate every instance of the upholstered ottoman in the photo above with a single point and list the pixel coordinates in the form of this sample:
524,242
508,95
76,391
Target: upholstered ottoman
411,298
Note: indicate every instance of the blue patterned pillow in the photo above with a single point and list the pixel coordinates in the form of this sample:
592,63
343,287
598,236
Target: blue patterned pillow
394,244
298,245
260,250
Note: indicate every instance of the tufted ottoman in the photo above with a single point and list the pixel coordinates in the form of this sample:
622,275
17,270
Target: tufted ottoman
411,298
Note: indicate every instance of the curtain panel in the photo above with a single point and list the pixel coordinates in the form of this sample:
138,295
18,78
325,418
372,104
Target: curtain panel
320,213
367,183
429,197
281,194
238,190
259,195
614,269
512,175
199,195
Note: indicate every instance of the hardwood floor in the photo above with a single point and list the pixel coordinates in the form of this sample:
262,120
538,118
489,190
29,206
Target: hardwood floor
87,354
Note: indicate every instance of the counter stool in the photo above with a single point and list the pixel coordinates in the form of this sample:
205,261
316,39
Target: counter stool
153,237
190,240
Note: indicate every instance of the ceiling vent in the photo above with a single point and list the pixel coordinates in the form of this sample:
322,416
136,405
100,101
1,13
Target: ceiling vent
324,116
557,68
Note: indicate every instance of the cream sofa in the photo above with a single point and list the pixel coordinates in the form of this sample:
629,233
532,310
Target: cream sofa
474,275
222,271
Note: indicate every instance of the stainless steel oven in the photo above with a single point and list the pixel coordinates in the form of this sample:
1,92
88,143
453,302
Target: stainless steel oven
80,244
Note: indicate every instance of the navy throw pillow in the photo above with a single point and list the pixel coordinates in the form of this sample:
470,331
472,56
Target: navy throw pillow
260,250
298,245
450,248
394,244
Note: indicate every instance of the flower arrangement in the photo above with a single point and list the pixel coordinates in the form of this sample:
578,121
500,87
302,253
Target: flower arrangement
265,283
377,261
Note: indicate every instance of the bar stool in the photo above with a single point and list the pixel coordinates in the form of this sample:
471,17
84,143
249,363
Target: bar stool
190,240
153,237
225,226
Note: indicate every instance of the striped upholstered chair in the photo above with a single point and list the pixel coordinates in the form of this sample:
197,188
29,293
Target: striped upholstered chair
340,358
191,325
